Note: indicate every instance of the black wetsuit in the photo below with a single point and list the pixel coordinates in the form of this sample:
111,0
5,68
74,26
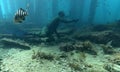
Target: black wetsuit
52,27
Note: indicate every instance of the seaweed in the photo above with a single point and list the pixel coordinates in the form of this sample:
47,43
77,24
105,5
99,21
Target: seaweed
85,46
42,55
88,47
82,56
67,47
75,66
63,55
116,58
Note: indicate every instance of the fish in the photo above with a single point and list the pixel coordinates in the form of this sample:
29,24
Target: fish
20,15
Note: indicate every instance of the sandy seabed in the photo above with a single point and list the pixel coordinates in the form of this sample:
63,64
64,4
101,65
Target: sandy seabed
18,60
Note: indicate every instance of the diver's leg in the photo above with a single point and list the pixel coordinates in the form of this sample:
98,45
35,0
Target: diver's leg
57,34
49,34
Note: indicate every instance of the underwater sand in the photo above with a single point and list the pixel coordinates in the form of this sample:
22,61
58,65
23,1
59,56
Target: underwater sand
16,60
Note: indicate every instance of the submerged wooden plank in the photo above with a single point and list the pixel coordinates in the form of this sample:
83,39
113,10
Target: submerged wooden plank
14,43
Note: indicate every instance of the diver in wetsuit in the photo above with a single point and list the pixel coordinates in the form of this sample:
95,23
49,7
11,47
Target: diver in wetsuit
52,27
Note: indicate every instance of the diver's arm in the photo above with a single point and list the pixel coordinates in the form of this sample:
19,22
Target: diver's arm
69,21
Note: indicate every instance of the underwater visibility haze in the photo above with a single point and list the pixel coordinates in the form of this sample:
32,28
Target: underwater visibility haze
59,35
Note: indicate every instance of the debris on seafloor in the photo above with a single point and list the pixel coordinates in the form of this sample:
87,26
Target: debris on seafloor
108,49
7,42
115,58
112,67
100,37
79,46
116,61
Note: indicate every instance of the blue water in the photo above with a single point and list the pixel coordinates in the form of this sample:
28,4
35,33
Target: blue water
41,12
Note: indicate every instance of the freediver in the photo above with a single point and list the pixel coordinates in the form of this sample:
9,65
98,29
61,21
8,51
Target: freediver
53,26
